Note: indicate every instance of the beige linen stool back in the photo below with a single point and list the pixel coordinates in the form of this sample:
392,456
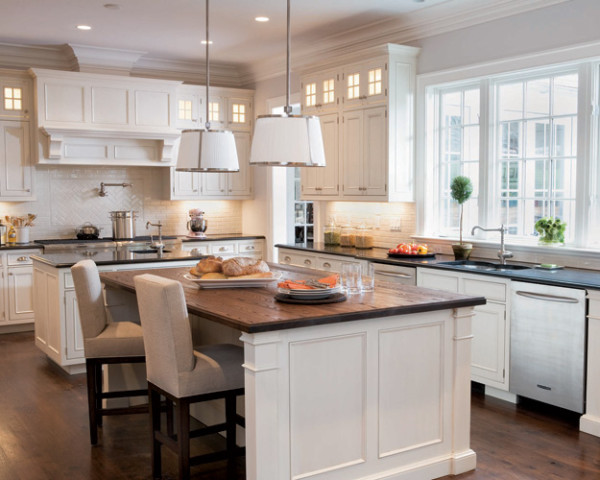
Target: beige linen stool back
185,375
104,342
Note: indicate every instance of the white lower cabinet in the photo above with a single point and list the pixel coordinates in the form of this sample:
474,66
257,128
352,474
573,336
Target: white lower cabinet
16,287
253,248
317,261
490,324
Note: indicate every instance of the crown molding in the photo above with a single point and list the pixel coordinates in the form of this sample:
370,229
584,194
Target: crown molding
104,60
22,57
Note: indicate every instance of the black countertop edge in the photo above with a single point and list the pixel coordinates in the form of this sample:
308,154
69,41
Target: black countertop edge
55,260
229,236
23,246
564,277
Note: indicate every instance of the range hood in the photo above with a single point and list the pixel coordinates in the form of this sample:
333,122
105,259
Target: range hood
97,119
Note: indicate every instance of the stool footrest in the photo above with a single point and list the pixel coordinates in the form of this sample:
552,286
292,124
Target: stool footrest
123,393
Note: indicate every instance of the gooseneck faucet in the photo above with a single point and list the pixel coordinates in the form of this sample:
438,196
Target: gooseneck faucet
503,254
156,245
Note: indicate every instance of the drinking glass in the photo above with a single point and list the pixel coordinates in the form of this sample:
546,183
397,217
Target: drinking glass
351,278
367,273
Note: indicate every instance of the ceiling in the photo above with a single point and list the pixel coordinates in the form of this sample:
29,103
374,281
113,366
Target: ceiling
173,29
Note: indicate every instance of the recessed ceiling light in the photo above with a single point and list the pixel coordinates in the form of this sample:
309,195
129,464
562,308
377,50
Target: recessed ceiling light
112,6
262,19
210,42
84,27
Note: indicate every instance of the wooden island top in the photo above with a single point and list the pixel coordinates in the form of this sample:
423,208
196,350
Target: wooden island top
255,309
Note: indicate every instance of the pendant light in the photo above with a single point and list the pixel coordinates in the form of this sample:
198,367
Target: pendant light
287,140
207,150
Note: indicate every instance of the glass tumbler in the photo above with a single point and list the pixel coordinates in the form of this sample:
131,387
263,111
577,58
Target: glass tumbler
351,278
367,273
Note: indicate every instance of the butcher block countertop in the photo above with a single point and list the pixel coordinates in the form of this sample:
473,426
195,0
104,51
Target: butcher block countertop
255,309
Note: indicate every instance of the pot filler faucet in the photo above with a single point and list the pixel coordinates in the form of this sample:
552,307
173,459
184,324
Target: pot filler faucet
156,245
503,254
103,186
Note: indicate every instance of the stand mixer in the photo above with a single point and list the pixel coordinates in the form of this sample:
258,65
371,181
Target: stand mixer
196,224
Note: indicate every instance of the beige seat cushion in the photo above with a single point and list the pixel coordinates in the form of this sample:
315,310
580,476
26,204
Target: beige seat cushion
118,339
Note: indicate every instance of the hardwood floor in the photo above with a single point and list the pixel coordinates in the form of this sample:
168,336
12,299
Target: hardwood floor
44,433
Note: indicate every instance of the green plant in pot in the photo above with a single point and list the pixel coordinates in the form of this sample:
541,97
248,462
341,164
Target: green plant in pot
461,189
551,231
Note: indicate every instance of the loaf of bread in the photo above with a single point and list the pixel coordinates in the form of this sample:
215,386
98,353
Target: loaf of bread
213,276
234,267
208,264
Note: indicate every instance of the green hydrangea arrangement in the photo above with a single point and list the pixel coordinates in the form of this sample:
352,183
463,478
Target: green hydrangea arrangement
551,230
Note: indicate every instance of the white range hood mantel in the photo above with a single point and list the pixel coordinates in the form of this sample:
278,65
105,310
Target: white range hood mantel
97,119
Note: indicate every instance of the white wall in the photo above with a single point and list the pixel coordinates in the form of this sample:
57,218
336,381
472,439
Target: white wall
561,25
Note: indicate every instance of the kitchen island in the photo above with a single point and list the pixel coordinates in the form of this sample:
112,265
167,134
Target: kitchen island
374,387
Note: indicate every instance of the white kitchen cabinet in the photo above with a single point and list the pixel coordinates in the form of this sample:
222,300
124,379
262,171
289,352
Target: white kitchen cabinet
375,130
590,421
320,92
227,248
324,181
16,290
316,261
490,351
15,161
191,109
15,95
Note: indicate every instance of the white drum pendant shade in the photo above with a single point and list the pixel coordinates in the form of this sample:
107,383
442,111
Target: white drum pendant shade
292,141
207,151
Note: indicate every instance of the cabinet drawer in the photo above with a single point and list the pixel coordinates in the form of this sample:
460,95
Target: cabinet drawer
333,265
223,249
439,281
299,259
250,247
200,248
490,290
22,258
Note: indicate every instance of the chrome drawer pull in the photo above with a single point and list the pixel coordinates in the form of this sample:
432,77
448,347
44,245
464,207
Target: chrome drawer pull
392,274
22,259
287,259
307,262
327,265
550,298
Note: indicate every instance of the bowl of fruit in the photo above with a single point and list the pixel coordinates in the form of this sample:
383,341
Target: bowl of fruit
410,250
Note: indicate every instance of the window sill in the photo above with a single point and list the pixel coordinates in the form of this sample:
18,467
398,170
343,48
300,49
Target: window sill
564,255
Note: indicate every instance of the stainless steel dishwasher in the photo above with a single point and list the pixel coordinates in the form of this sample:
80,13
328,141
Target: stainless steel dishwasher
395,274
547,344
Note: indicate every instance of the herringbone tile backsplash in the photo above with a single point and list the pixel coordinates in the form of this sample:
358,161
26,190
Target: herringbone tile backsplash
67,197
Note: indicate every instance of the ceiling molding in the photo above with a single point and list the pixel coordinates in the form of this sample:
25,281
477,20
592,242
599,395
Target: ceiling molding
27,56
104,60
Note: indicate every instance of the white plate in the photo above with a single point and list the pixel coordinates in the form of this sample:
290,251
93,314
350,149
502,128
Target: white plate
233,282
310,294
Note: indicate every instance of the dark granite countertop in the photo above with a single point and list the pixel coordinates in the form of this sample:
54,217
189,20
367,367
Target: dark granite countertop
22,246
225,236
112,257
564,277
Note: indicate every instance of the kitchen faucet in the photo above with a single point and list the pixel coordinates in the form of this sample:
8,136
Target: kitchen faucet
503,254
156,245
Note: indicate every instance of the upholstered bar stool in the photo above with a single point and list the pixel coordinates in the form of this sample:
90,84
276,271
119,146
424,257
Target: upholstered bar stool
104,342
185,375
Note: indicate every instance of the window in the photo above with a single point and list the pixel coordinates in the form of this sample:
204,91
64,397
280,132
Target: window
328,91
13,99
311,95
517,134
238,111
375,82
214,114
185,110
353,86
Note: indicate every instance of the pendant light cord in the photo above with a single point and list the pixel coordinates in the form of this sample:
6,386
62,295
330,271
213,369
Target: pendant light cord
288,108
207,123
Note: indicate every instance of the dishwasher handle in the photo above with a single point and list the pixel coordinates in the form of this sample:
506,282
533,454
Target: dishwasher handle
392,274
544,296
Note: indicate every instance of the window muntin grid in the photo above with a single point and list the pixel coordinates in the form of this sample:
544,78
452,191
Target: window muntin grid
238,111
214,112
185,110
328,91
353,86
311,95
13,98
536,151
458,154
375,81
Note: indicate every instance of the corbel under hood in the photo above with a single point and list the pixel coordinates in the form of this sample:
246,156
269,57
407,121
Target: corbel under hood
97,119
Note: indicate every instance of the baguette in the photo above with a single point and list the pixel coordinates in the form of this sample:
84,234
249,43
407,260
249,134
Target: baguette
237,266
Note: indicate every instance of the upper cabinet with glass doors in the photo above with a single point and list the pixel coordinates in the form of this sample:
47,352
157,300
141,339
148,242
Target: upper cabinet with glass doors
366,107
15,96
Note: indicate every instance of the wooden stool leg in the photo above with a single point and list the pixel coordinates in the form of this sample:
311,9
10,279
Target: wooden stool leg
230,419
170,429
183,438
98,391
154,405
90,367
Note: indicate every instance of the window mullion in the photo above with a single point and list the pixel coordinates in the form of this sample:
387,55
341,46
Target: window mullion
487,167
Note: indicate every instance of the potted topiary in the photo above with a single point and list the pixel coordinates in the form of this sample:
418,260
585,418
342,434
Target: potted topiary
461,189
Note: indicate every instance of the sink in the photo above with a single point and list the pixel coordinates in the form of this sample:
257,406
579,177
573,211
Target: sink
473,265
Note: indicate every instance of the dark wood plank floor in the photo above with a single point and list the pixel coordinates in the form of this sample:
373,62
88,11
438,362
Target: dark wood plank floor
44,433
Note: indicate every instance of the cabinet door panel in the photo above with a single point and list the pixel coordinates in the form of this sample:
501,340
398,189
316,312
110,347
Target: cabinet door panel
73,327
214,184
487,352
110,106
64,103
327,177
20,294
15,159
240,183
185,184
375,159
151,109
438,281
353,152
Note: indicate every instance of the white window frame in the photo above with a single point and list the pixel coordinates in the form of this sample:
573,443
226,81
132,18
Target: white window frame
587,60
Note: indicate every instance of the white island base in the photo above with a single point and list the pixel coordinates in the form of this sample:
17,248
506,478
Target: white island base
383,398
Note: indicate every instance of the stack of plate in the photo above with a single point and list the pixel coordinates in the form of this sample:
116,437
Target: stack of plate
312,294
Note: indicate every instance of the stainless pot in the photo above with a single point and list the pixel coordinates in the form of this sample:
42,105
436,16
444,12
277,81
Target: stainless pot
123,224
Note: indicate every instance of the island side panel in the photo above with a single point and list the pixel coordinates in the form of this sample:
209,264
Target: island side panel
590,422
380,398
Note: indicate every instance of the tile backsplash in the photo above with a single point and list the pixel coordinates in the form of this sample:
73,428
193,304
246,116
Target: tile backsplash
67,197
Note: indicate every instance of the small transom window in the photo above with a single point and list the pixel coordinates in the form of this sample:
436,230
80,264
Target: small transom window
311,94
13,98
239,113
353,86
328,91
214,114
375,81
185,110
